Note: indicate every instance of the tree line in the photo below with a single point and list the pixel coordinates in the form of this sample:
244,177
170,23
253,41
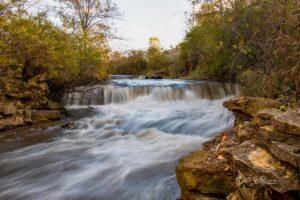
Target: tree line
253,42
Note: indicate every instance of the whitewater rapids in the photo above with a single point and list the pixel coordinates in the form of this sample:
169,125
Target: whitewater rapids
126,149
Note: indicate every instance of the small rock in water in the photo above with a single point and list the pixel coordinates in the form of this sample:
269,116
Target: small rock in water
99,123
70,125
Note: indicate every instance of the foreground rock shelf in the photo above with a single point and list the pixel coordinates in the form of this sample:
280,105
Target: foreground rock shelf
258,159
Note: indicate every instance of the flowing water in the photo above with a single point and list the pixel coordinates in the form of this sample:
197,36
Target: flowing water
126,149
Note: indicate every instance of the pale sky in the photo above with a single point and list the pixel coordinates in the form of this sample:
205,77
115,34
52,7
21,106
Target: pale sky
142,19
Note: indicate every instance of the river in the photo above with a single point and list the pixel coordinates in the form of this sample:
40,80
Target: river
125,149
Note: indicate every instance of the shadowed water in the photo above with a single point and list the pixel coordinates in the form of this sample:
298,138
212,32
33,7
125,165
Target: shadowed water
127,149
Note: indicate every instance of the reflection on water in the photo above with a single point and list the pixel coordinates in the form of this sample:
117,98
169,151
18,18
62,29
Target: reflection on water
126,150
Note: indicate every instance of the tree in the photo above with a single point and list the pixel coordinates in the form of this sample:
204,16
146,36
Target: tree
88,16
156,60
88,21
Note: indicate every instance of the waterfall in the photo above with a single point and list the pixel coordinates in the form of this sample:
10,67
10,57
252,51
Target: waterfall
118,94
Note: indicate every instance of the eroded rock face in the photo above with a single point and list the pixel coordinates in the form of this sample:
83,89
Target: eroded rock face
262,168
284,147
202,173
251,105
288,122
19,99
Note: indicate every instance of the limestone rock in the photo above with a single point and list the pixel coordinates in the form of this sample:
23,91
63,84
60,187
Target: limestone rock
202,173
246,131
186,195
262,168
46,115
54,105
9,109
11,122
288,122
264,117
284,147
43,86
234,196
250,105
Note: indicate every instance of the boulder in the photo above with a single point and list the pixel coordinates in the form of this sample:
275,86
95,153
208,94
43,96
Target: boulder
284,147
250,105
261,168
202,173
46,115
288,122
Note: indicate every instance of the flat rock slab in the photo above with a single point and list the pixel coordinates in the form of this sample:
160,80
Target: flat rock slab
46,115
264,117
288,122
284,147
261,167
250,105
202,173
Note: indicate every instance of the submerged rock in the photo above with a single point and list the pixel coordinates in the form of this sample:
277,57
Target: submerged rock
202,173
250,105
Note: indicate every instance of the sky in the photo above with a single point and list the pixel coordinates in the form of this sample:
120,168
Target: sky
142,19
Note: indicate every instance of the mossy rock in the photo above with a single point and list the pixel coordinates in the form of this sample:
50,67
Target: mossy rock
201,172
251,105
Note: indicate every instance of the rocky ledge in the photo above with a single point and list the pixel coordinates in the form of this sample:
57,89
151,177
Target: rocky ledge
24,102
258,159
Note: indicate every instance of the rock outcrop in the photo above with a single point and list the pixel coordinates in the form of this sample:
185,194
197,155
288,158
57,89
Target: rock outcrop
251,105
25,102
203,165
258,159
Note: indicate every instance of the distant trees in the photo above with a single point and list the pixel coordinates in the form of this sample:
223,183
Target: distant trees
133,62
154,61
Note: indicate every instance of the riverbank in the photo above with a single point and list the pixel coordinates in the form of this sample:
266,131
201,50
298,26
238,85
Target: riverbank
258,159
26,102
